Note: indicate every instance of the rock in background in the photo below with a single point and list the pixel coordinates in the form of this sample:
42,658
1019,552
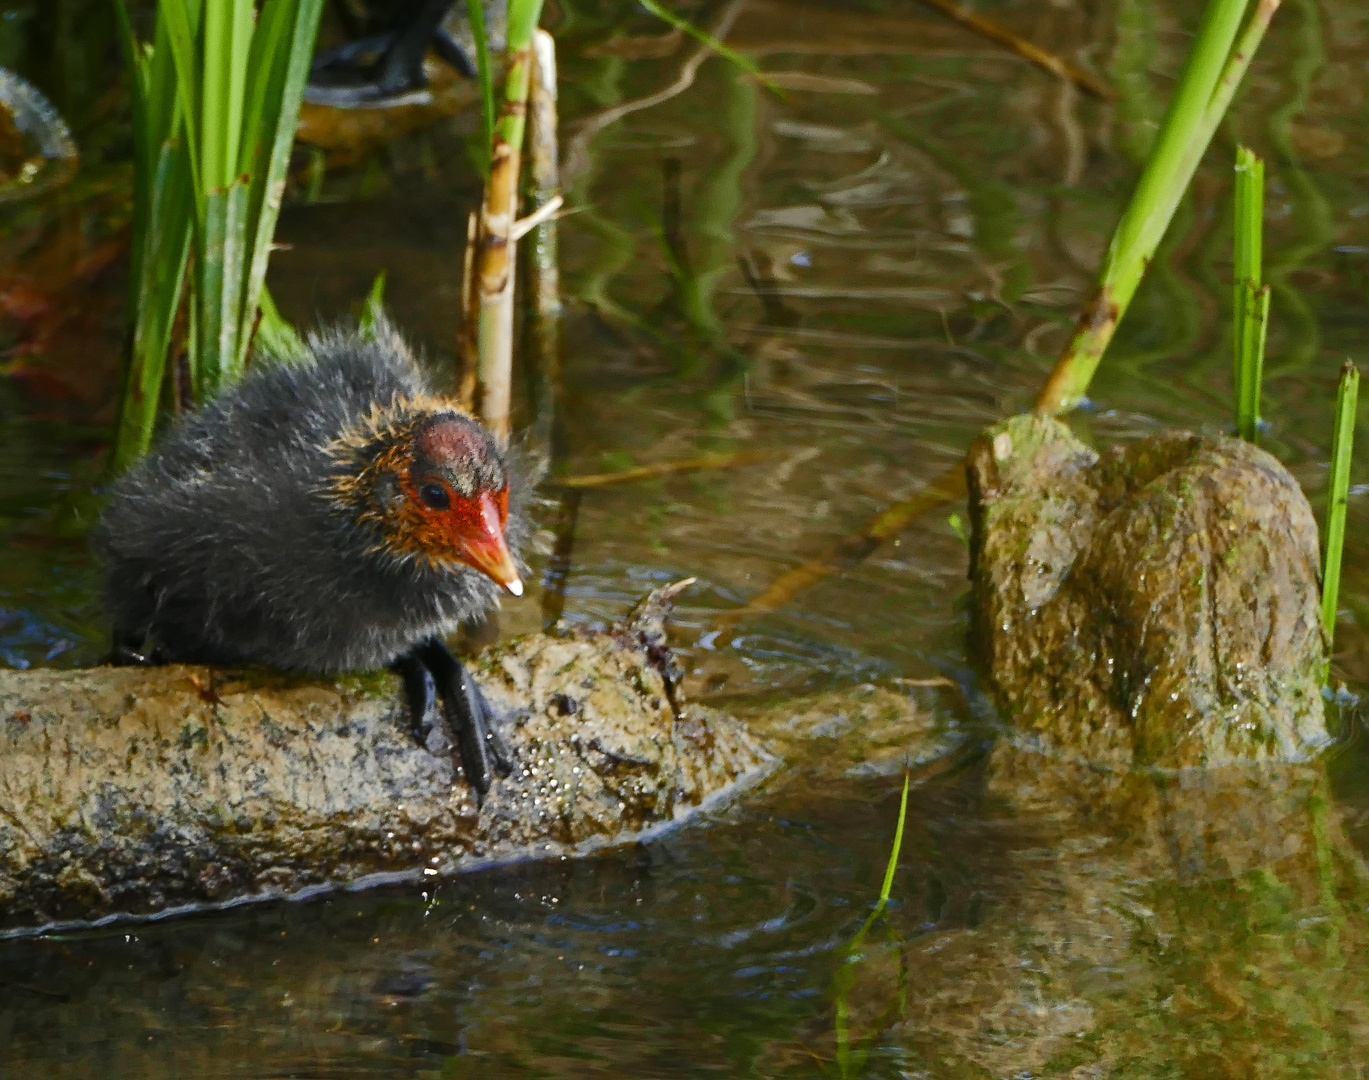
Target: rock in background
1157,604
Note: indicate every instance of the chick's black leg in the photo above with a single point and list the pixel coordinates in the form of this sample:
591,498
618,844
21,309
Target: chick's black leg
419,691
483,753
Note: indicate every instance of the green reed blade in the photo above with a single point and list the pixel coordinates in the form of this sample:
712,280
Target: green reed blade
892,865
227,40
161,236
180,19
475,11
1337,493
280,66
1249,213
273,24
162,275
215,102
136,69
1250,300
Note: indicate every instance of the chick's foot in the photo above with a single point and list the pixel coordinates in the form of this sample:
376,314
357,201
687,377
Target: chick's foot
430,670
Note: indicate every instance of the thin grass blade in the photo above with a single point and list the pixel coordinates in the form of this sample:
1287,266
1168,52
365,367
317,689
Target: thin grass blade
226,44
1337,494
161,227
163,244
887,888
850,1060
1250,303
704,38
234,329
273,24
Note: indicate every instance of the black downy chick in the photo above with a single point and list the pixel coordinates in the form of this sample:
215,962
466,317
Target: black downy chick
325,515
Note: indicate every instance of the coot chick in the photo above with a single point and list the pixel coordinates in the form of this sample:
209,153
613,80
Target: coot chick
329,514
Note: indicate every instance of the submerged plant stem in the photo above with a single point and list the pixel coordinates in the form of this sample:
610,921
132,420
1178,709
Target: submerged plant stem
665,468
1024,48
851,550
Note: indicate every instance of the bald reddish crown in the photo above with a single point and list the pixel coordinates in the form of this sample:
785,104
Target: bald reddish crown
456,449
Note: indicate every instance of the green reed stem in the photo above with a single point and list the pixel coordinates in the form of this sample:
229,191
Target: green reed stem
495,259
1222,52
1250,302
1337,493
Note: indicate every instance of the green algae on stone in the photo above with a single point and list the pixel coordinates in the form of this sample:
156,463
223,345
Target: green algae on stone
1157,604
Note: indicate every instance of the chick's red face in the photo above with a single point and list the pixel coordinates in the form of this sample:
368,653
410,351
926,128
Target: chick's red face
458,499
468,527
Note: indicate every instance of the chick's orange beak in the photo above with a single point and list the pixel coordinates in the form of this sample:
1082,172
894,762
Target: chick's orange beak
483,547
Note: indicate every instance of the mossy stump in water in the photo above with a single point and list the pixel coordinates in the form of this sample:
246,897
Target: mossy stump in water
143,790
1157,604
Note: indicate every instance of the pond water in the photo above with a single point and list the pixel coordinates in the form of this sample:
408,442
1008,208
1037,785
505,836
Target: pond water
852,273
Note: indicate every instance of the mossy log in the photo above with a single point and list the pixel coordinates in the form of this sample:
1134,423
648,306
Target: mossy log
142,791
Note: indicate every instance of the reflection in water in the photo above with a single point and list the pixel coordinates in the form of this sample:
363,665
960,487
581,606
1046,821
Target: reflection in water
855,282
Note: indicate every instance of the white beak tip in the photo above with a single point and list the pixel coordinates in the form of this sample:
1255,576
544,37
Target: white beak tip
515,586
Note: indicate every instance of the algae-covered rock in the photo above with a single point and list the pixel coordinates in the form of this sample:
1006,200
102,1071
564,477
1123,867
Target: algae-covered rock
127,790
1157,604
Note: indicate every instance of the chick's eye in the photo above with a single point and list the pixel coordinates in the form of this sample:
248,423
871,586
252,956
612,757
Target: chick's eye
435,495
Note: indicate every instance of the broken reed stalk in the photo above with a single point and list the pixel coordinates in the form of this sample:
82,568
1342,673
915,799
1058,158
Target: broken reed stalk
1025,49
1250,302
495,258
1221,54
544,275
1337,493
